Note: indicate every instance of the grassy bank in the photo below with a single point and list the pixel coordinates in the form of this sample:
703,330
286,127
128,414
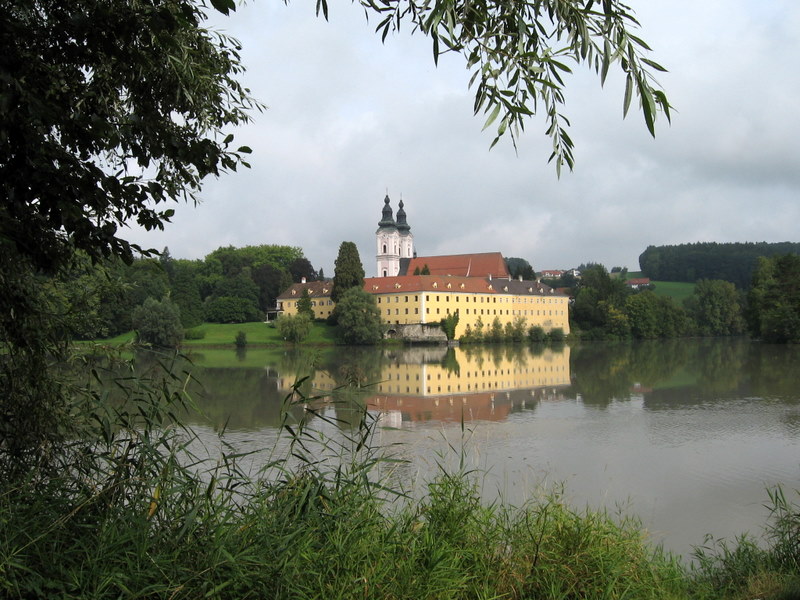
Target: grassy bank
224,335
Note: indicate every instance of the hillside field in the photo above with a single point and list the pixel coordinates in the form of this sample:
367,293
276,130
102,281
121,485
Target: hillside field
677,290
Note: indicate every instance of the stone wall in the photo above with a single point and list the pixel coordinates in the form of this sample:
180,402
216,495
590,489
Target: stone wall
416,332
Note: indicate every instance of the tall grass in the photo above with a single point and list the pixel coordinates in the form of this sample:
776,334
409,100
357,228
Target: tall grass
132,513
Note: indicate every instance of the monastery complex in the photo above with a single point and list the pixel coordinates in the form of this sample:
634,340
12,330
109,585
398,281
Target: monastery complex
477,286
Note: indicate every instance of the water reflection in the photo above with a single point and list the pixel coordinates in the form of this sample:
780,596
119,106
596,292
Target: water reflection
687,432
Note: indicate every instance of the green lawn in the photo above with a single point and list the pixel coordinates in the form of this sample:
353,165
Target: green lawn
677,290
258,334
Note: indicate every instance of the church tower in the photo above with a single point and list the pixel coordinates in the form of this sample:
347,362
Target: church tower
393,241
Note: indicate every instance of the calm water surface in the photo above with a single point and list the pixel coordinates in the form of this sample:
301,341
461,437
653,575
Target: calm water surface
685,434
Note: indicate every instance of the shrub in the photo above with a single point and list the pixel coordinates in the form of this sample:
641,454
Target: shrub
537,334
556,335
158,323
195,333
293,328
241,339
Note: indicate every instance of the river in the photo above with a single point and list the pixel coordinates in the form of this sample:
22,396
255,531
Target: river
686,434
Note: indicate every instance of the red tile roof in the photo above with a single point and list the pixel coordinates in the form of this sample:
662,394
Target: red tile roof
638,281
438,283
462,265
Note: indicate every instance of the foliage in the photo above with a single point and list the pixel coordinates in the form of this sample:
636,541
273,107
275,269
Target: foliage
734,262
556,335
599,302
228,309
241,339
519,55
158,322
109,111
537,334
195,333
185,292
774,299
304,305
715,307
358,319
425,270
519,267
294,328
449,325
348,271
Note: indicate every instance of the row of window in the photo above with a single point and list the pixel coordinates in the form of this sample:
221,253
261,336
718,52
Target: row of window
493,312
494,299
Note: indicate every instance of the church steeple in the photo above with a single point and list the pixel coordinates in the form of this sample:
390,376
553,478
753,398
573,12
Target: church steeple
402,225
386,215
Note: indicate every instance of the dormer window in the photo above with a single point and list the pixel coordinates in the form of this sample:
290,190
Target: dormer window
397,286
294,292
462,286
324,290
449,285
435,284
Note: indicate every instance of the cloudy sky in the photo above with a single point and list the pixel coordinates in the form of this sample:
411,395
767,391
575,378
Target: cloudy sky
349,119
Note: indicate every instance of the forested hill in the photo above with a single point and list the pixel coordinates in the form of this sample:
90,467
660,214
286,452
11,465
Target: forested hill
734,262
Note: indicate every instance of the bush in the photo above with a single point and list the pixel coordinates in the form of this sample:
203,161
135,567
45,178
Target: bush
241,339
158,323
294,328
537,334
195,333
556,335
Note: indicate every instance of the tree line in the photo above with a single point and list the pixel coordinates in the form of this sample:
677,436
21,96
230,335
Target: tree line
606,308
229,285
734,262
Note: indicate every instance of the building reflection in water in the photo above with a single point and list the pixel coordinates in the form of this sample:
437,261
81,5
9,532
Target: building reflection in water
423,384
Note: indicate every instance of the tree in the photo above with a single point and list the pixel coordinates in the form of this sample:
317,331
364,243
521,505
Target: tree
715,307
294,328
185,292
304,305
301,268
449,325
519,267
358,318
348,271
774,299
103,123
158,323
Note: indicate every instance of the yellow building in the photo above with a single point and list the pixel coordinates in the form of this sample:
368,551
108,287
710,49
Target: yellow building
412,299
319,293
477,286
